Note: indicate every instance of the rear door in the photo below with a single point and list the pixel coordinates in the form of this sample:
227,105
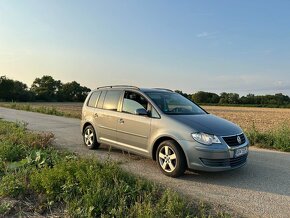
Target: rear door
106,115
133,130
89,109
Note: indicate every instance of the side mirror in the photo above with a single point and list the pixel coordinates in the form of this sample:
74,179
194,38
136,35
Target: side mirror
141,111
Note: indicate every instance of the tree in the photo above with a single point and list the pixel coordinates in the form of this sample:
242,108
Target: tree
73,91
46,88
233,98
13,90
182,93
229,98
6,87
205,97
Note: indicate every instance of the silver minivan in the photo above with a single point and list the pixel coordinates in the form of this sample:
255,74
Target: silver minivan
162,125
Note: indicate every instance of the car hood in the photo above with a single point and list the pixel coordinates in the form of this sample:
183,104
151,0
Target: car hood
208,123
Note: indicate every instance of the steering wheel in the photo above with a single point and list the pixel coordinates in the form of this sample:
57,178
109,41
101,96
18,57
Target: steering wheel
179,110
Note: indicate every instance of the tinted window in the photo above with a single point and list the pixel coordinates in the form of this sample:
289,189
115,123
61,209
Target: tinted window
101,99
112,100
93,99
133,101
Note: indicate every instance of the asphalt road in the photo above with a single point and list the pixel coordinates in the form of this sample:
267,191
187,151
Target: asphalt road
260,189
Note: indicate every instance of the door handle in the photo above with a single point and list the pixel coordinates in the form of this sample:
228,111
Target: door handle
121,121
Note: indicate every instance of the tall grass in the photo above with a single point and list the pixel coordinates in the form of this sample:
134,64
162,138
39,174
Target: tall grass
278,138
63,184
39,109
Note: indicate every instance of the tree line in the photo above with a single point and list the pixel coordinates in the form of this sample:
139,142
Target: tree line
45,88
201,97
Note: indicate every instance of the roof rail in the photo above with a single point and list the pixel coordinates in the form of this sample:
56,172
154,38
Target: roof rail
118,86
164,89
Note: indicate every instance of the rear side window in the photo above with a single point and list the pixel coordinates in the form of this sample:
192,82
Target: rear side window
112,100
101,99
93,99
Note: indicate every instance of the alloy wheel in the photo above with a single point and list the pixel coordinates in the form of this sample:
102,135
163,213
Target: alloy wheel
89,137
167,159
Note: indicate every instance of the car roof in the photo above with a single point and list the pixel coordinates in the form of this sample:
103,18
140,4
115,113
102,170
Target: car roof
125,87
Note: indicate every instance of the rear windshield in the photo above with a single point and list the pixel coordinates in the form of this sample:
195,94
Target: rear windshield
174,104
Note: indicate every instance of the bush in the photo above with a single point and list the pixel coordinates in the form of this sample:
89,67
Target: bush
13,184
11,152
16,134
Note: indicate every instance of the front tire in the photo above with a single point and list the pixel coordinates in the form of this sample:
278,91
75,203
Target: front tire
90,139
170,158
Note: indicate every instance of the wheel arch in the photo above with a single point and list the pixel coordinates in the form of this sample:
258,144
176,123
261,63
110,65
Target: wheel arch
162,139
85,126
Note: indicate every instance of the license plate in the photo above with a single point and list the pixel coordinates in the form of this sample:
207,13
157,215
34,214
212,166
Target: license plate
241,151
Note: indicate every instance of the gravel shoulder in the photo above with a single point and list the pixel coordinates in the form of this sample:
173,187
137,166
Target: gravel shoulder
261,189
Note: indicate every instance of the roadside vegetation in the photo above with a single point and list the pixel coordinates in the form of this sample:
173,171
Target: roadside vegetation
41,108
37,180
278,138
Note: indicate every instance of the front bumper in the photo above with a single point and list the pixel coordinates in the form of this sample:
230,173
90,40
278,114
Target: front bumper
214,158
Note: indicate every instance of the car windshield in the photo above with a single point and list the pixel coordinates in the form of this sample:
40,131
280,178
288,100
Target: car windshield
174,104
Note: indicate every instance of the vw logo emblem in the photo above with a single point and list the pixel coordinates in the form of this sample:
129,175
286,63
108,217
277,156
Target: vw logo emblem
239,139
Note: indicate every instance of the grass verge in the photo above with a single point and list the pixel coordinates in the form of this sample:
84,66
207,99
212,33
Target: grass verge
278,139
36,179
40,109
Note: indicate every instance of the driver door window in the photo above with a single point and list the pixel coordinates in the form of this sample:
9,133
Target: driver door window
133,101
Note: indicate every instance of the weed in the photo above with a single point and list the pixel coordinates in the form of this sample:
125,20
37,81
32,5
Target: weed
5,207
13,184
274,139
12,152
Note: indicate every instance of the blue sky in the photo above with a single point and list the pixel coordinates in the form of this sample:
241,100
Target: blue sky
233,46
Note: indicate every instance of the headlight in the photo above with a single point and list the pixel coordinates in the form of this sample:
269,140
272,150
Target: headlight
204,138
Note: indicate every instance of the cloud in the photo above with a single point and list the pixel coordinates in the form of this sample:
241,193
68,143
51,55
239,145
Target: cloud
202,35
206,35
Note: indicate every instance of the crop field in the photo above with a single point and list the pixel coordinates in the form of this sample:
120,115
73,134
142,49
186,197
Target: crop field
264,119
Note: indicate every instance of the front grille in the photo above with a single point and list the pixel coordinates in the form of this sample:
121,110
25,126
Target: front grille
233,140
232,162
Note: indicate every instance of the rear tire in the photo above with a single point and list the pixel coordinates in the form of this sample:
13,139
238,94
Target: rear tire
90,138
170,158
